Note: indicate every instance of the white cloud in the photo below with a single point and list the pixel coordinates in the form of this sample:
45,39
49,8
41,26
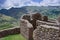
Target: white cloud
7,5
13,3
50,3
34,4
19,3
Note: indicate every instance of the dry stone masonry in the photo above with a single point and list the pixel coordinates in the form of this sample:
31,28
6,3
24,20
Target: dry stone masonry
9,31
39,28
46,31
26,29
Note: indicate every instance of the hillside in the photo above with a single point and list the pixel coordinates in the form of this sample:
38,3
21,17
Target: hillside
6,21
51,11
14,12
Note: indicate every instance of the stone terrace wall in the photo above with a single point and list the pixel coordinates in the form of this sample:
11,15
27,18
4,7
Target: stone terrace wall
26,29
10,31
46,31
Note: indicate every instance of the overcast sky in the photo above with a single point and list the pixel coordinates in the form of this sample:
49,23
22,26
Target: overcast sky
6,4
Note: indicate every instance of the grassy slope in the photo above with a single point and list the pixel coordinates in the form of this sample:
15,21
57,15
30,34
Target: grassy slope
6,22
14,37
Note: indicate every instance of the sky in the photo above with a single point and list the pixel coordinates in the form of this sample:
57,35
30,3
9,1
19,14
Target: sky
7,4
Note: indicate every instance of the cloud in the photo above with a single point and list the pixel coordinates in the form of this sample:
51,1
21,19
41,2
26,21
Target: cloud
50,3
13,3
7,4
18,3
38,1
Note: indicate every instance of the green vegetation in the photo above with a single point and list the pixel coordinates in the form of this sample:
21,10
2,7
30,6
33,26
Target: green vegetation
7,22
5,25
50,11
14,37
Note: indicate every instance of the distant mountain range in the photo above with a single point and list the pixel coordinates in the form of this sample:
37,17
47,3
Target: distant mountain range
17,12
13,12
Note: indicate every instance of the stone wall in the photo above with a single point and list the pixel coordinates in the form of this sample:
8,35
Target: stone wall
26,29
10,31
39,28
46,31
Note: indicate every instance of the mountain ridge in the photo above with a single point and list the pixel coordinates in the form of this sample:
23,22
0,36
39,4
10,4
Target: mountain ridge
45,10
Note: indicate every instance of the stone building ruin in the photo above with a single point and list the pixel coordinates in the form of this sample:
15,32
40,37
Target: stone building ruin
39,28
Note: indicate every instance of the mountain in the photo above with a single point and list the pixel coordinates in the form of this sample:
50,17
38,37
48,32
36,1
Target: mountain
13,12
51,11
4,18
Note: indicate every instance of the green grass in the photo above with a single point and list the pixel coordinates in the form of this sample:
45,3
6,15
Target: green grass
5,25
7,22
13,37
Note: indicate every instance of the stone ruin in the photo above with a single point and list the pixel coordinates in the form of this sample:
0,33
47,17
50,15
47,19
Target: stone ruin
39,28
46,31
